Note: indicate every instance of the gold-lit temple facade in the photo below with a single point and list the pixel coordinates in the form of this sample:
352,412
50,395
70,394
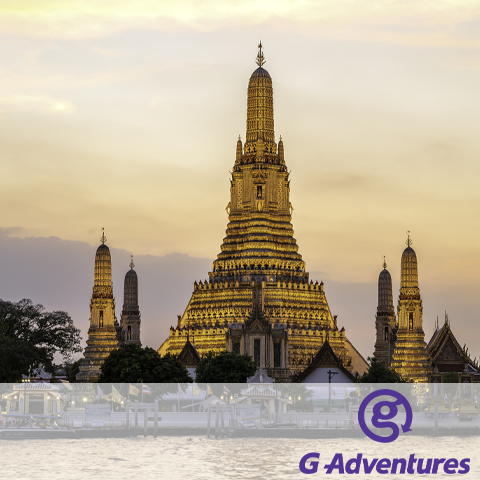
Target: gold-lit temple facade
411,358
385,321
258,298
103,334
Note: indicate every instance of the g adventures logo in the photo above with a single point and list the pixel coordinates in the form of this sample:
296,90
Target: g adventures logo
380,420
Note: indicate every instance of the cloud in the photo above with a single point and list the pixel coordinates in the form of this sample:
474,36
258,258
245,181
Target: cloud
11,231
422,21
59,274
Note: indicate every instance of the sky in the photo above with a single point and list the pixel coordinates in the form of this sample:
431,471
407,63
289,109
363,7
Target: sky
125,115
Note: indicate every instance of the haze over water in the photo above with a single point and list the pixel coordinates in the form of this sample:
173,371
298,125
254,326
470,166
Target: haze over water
197,458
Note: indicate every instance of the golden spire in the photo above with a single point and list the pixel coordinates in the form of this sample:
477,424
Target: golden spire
104,238
131,262
260,57
409,268
103,265
260,123
384,263
409,240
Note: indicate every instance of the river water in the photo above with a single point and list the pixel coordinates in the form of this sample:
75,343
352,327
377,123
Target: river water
198,458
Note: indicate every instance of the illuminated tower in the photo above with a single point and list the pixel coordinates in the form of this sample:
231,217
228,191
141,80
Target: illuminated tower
102,334
385,319
410,356
130,319
259,299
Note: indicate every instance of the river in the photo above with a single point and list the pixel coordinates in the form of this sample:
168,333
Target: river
197,458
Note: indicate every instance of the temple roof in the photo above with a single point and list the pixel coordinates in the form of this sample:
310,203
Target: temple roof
189,355
444,347
260,376
325,357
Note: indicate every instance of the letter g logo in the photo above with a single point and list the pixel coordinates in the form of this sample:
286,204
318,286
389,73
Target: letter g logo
313,464
378,418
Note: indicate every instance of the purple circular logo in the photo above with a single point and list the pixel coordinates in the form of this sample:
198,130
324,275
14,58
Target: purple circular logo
380,420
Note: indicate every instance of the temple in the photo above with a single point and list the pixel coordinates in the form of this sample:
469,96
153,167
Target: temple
106,333
103,334
259,298
446,353
130,319
401,346
385,321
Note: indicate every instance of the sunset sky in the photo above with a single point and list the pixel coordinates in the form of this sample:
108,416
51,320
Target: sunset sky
125,115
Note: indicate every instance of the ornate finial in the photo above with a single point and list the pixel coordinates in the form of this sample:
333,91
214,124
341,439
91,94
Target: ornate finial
239,138
384,263
260,57
409,240
280,138
131,262
104,238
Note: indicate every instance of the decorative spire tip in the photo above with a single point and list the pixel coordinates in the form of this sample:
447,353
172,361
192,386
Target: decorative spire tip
260,57
131,262
409,240
104,238
384,263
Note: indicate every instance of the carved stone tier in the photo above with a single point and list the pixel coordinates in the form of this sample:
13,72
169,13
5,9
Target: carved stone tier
411,359
231,315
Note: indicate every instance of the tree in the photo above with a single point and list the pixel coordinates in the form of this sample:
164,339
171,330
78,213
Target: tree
72,370
225,368
30,337
379,373
133,364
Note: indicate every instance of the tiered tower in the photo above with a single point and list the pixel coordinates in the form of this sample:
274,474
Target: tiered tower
130,319
385,320
102,334
258,298
410,357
